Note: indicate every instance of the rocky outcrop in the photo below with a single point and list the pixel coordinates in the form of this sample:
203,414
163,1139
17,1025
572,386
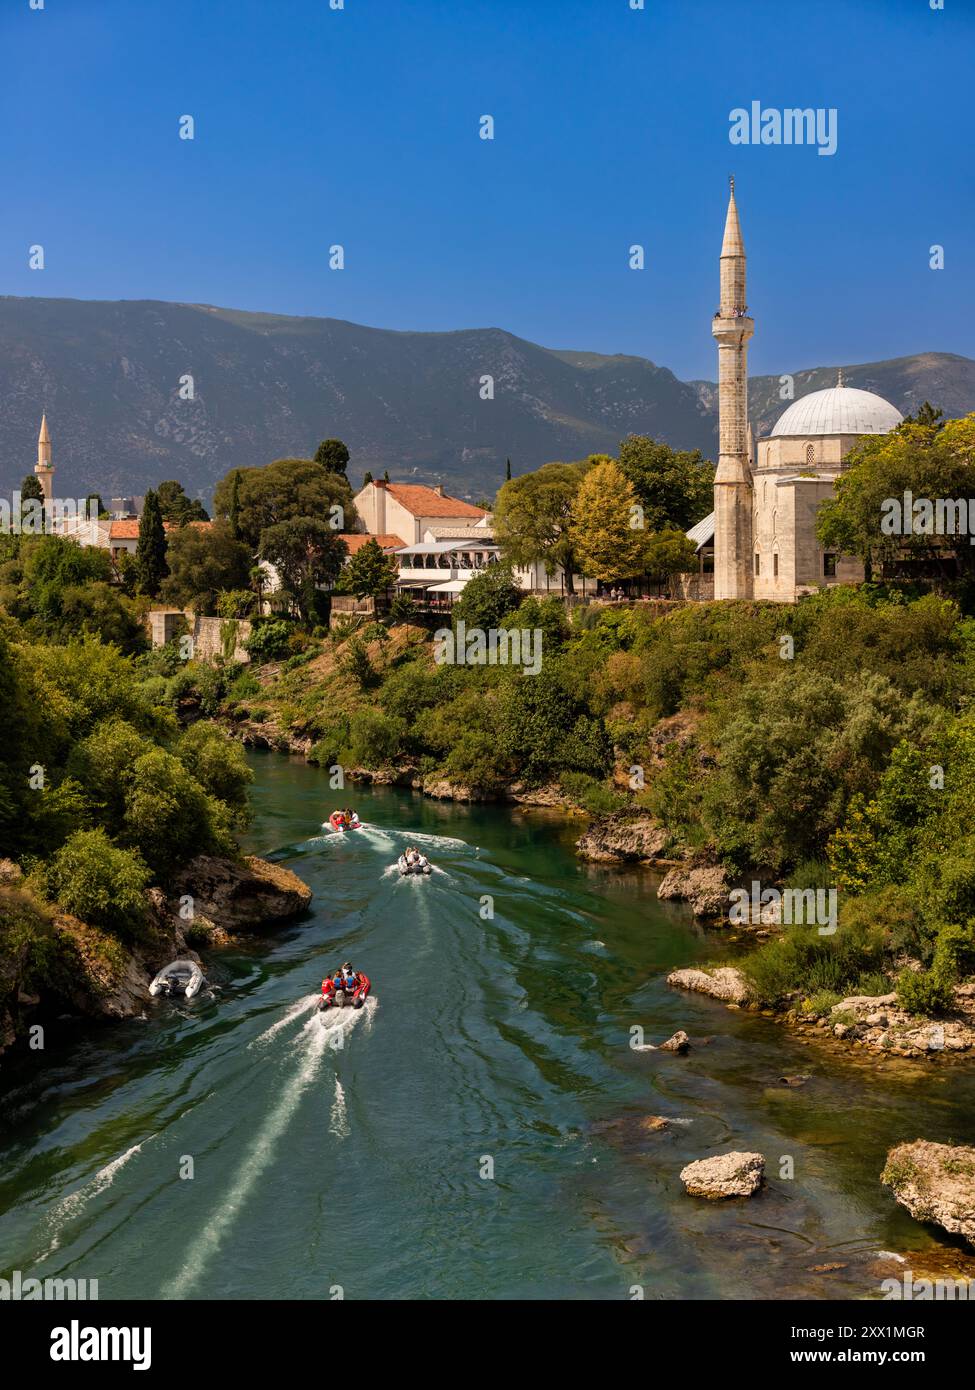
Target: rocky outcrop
241,895
680,1042
623,838
725,983
442,789
877,1023
936,1183
706,888
550,795
725,1175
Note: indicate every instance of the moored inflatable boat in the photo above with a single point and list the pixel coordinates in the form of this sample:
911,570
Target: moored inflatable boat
179,977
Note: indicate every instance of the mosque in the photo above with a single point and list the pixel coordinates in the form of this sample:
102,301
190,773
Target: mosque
763,527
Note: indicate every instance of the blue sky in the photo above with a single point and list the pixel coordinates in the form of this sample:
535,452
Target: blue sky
360,127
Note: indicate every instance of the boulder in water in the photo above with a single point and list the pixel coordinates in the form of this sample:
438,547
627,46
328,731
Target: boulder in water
725,1175
725,983
680,1042
936,1183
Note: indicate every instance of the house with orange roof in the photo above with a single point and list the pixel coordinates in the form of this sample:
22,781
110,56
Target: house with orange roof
407,509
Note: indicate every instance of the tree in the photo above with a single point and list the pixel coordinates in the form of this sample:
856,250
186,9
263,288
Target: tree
175,506
306,553
926,414
217,762
169,818
98,608
366,478
368,574
669,552
507,470
674,487
488,598
533,516
150,553
203,563
607,544
51,566
95,505
233,512
283,491
333,456
30,491
930,461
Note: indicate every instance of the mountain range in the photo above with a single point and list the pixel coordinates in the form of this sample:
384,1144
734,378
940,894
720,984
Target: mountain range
138,390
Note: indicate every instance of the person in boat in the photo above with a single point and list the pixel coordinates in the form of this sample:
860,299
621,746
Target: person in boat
356,984
331,985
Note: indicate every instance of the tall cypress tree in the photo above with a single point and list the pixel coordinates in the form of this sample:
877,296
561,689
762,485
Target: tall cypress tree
507,472
234,517
150,554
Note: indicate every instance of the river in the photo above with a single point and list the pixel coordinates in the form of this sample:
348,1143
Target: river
477,1130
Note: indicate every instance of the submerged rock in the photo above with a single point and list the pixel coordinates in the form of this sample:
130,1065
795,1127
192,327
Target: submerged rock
623,838
724,983
242,895
936,1183
726,1175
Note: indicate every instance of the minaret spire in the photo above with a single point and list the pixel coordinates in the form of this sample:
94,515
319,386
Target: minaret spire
732,328
44,468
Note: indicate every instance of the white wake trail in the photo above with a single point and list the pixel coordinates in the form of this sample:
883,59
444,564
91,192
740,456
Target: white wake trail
316,1040
74,1204
303,1006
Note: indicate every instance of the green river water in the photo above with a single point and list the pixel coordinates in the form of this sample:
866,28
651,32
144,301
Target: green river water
359,1167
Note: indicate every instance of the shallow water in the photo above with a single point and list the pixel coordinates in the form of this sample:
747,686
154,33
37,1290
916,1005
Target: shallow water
354,1156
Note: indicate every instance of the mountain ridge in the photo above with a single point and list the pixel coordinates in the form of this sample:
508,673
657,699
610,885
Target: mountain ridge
266,385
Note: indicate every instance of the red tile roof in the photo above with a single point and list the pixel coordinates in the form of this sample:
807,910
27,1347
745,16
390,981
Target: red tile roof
426,501
355,540
128,530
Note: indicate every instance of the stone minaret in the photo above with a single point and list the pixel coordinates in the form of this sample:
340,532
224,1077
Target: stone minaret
44,468
733,480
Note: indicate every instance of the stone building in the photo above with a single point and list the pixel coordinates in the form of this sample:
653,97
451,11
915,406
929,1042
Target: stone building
765,502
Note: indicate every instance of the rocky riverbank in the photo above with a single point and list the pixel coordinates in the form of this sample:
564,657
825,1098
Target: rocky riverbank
875,1023
50,960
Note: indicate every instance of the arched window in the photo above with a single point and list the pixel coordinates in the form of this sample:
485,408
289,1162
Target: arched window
810,455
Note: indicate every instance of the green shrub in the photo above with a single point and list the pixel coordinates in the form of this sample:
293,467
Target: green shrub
375,738
99,882
217,762
269,640
598,798
926,992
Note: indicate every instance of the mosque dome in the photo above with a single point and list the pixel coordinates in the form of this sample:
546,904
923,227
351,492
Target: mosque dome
840,410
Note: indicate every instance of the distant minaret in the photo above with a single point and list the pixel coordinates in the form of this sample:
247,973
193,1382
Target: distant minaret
733,480
44,468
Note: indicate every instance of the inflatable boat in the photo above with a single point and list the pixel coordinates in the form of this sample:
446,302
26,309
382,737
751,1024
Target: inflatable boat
180,977
343,820
419,866
344,997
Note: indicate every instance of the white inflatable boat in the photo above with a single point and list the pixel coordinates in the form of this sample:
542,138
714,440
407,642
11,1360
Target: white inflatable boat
417,866
180,977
